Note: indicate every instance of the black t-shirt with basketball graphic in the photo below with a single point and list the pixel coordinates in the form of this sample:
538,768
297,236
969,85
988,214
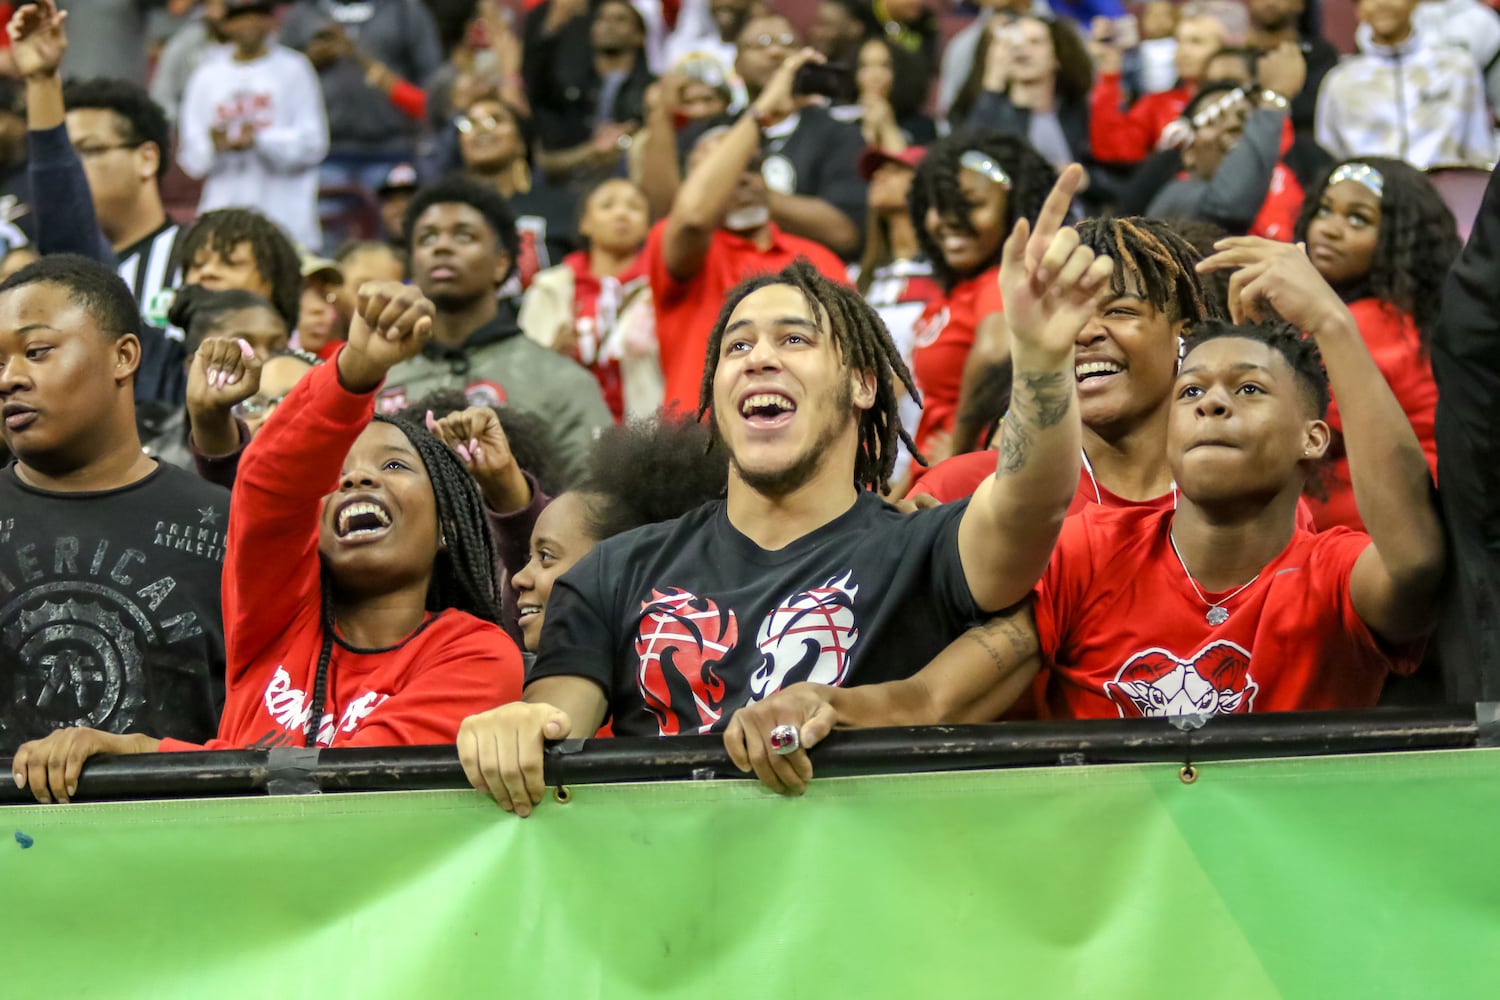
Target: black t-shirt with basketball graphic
684,622
109,608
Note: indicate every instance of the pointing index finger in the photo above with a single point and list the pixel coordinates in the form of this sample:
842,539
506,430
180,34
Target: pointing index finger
1054,213
1228,257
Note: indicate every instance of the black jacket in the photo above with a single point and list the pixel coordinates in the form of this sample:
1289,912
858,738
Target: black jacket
563,87
1466,364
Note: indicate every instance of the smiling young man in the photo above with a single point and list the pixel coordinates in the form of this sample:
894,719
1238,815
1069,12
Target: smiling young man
803,573
1125,363
1222,605
463,244
109,562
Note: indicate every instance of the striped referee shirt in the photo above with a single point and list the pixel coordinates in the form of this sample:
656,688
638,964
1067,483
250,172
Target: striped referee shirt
146,267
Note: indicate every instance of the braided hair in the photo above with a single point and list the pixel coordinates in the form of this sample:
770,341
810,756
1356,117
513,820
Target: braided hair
223,229
463,575
1416,247
864,345
1299,350
936,187
1152,260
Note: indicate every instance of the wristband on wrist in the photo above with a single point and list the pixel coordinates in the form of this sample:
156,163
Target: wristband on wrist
1271,99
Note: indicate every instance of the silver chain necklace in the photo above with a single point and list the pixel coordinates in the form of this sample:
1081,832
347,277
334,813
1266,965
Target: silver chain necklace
1216,614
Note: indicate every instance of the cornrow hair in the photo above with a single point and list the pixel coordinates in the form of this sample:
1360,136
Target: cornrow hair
463,575
936,187
223,229
1299,351
1152,260
1416,247
864,344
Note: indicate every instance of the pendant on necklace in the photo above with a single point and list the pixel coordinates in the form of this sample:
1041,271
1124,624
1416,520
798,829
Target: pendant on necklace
1217,615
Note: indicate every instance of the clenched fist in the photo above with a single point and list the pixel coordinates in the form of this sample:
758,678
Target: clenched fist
391,323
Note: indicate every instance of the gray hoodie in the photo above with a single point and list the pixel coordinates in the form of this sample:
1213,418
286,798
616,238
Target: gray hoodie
399,33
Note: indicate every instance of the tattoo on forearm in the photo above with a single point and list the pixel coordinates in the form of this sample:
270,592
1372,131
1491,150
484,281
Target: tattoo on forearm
1048,394
1022,642
1015,443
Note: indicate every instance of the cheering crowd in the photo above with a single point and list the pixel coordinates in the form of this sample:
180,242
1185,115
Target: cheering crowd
678,373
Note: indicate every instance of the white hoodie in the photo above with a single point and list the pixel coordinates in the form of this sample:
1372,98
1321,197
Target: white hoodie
1416,102
1469,25
279,96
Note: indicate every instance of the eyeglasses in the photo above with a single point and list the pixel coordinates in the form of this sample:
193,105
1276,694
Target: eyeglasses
89,152
488,123
257,406
786,41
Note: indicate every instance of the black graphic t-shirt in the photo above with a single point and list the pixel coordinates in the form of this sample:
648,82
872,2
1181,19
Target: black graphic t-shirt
682,623
109,608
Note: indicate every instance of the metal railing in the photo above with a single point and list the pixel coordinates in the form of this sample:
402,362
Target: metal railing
1185,742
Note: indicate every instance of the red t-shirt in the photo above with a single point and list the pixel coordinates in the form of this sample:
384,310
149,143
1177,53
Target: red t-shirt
1120,136
594,316
945,333
959,476
687,311
412,694
1396,346
1125,635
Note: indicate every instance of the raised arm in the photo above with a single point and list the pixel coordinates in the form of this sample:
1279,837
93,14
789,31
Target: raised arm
1050,285
660,174
60,198
1239,186
709,186
1394,584
294,462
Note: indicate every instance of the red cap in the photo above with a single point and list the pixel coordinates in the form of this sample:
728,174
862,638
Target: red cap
873,158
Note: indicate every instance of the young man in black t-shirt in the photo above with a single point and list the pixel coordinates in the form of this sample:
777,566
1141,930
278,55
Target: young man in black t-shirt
802,572
109,562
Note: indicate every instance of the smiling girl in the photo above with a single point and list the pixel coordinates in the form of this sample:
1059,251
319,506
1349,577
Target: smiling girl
968,193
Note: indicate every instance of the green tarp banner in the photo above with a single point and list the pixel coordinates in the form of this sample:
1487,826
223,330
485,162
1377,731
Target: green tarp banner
1368,877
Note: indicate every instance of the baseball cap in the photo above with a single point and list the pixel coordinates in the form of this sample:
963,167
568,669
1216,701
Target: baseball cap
873,158
402,177
321,267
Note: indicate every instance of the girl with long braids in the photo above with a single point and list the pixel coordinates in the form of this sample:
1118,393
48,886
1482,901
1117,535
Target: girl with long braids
1380,234
967,194
360,599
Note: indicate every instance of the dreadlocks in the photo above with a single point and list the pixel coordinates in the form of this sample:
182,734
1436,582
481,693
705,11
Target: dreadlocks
1417,245
936,187
1154,262
1299,351
864,345
223,229
463,576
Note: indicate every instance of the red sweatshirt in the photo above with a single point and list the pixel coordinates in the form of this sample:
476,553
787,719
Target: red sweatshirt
1396,346
411,694
1120,136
